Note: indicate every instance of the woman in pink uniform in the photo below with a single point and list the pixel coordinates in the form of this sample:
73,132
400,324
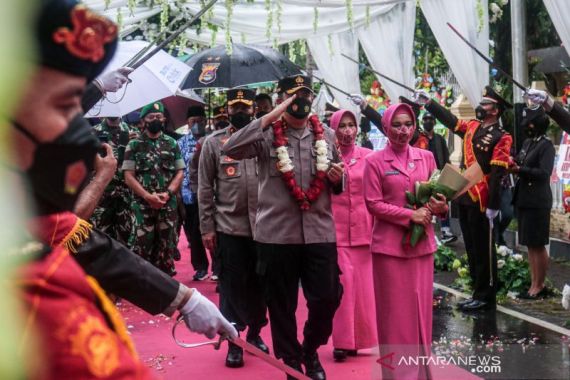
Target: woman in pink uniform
354,326
403,276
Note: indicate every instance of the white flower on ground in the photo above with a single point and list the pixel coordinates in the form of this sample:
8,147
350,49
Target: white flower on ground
518,257
500,263
502,250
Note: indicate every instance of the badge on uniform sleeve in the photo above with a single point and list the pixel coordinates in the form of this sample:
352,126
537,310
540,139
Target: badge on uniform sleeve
74,176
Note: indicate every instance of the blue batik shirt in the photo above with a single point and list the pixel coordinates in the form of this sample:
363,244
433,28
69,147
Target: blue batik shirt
187,145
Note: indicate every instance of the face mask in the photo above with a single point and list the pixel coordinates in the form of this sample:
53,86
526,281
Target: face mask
346,136
400,137
260,114
240,119
221,124
61,168
480,113
540,125
428,125
198,130
300,108
154,126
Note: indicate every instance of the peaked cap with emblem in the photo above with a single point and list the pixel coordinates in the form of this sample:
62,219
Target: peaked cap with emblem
196,110
241,95
293,83
219,112
74,39
491,96
152,108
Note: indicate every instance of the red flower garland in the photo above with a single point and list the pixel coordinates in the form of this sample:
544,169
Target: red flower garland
303,198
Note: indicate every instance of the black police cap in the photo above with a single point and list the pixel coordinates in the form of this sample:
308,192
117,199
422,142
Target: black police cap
293,83
241,95
74,39
195,111
220,111
492,96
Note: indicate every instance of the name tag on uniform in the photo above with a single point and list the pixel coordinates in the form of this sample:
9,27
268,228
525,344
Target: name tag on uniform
393,172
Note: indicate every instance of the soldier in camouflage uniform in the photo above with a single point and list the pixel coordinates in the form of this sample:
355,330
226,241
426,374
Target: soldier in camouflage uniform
112,214
153,168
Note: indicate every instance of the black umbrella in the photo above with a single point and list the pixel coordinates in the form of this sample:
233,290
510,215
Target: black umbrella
248,64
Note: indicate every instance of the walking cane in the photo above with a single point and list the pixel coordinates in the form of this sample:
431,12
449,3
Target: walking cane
490,252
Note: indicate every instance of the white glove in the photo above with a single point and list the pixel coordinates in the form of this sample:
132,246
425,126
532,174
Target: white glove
566,297
539,97
421,97
358,100
203,317
491,215
113,80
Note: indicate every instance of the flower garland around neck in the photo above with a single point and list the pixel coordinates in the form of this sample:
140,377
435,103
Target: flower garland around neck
284,164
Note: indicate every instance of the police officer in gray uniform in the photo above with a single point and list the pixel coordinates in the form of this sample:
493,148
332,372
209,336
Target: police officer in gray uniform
227,199
299,168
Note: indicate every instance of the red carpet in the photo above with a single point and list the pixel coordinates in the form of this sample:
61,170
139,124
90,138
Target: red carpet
153,339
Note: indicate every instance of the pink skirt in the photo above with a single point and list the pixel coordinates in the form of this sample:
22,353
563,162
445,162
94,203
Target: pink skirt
354,324
403,289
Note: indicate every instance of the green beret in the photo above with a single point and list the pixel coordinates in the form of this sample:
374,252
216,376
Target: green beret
152,108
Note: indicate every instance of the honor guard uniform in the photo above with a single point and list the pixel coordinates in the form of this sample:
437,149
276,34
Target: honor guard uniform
112,214
227,199
294,224
155,162
487,144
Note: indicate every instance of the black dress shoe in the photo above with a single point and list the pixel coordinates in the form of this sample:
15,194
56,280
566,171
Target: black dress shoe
544,293
477,305
460,304
313,367
296,365
259,343
339,355
234,359
352,352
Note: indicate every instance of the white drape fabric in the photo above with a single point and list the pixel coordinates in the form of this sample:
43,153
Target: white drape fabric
471,71
559,11
388,43
336,69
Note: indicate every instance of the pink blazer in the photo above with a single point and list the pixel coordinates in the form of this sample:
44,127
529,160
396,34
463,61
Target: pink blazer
352,220
385,183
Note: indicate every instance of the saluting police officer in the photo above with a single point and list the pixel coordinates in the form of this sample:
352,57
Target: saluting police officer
227,199
299,167
486,143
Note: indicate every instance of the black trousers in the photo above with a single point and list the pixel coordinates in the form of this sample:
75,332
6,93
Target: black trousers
198,256
475,230
241,293
315,265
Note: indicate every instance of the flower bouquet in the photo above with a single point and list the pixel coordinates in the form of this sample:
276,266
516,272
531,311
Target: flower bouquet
449,182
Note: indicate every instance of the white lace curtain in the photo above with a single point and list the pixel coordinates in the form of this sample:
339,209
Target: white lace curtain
388,43
471,71
559,11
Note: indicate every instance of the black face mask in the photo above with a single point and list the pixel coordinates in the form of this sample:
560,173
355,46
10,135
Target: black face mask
428,125
540,125
198,130
300,108
260,114
240,119
61,168
154,126
221,124
480,113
